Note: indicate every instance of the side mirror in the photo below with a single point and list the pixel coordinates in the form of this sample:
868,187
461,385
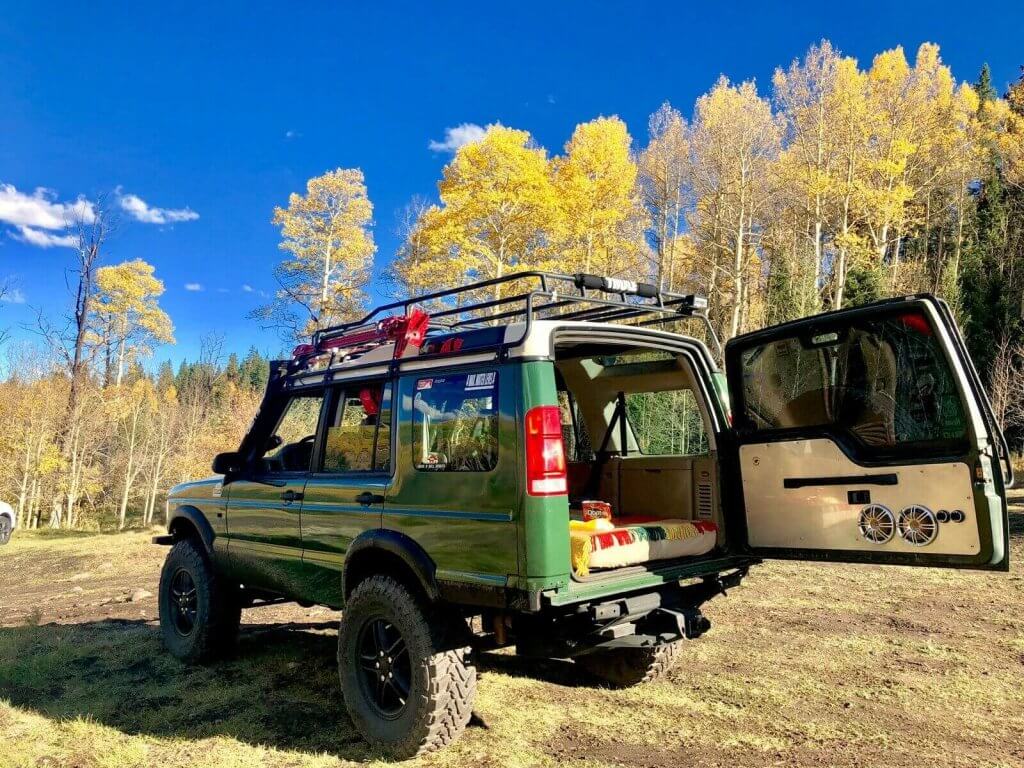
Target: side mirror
228,463
274,441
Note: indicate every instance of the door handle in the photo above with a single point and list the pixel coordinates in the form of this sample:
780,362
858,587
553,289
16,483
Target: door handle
289,496
888,478
366,498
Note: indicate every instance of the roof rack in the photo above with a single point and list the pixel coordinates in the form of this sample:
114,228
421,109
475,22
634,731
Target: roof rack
535,296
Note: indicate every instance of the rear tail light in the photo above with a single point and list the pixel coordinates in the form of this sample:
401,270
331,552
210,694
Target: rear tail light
545,453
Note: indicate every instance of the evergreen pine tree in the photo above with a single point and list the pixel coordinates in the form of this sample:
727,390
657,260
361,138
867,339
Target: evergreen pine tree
232,372
992,302
165,376
983,87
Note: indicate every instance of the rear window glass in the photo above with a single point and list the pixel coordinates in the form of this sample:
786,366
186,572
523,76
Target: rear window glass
884,380
455,423
667,423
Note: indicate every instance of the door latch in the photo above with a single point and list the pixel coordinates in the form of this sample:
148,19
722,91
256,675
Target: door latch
289,496
366,498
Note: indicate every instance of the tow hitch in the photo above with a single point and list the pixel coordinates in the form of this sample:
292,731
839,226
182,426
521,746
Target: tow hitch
688,622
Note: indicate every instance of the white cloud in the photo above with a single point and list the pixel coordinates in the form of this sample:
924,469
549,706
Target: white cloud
13,296
292,135
140,210
41,210
246,288
42,239
193,286
457,137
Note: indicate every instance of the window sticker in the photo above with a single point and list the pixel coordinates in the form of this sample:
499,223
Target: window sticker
481,380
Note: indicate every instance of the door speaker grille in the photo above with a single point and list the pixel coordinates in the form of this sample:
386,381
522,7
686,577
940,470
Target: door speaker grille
877,523
917,525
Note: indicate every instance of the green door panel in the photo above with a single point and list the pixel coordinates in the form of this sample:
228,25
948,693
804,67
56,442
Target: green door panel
265,544
464,520
332,517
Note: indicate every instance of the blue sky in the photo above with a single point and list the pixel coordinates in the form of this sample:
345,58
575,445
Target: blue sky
212,117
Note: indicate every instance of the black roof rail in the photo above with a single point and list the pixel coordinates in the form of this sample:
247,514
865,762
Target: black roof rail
538,295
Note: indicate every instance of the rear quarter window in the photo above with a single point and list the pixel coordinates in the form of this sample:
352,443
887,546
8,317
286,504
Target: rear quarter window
455,423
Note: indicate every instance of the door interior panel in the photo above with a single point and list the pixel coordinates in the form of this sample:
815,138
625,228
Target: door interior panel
860,438
821,513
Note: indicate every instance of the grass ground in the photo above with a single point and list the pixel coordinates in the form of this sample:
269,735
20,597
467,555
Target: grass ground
805,665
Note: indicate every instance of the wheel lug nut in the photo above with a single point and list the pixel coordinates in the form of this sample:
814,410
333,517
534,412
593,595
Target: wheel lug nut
382,678
390,675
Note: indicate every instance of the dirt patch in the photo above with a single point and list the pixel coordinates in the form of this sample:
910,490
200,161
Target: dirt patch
806,665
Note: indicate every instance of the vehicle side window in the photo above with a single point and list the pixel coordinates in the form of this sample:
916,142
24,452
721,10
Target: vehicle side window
667,423
358,435
290,448
455,423
885,381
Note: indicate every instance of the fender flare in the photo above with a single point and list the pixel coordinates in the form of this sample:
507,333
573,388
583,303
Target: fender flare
399,545
198,520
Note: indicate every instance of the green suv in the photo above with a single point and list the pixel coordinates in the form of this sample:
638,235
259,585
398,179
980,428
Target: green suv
534,461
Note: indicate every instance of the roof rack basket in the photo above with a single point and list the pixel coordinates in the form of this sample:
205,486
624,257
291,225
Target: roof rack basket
534,295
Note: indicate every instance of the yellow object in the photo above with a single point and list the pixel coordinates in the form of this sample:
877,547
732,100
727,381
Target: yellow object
633,544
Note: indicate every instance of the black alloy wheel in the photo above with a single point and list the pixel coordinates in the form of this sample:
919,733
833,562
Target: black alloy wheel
385,670
184,603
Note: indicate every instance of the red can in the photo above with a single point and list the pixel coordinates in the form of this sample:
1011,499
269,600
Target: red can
596,510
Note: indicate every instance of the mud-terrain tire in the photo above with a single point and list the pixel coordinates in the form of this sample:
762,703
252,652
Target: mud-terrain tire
6,527
199,613
425,653
626,667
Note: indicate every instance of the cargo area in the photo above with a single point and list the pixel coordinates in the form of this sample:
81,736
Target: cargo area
639,447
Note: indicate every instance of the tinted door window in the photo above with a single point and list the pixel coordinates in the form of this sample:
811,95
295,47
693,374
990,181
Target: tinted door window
290,448
884,381
358,435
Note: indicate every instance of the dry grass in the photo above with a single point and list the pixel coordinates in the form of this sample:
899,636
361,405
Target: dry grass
806,665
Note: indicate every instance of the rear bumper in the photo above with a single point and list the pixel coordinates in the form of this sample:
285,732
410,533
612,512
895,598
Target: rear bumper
647,619
632,580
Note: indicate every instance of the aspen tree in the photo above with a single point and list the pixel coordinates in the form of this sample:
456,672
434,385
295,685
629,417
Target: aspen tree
664,181
498,210
328,238
127,308
601,216
734,139
803,95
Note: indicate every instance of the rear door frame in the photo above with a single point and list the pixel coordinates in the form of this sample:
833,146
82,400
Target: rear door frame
985,442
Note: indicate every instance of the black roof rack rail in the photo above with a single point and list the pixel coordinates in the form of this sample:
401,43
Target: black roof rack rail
540,295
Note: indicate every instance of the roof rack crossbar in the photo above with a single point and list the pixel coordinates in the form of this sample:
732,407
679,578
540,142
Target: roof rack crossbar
540,295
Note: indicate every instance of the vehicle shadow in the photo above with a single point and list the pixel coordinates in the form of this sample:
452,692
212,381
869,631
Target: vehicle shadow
280,689
555,671
1016,518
